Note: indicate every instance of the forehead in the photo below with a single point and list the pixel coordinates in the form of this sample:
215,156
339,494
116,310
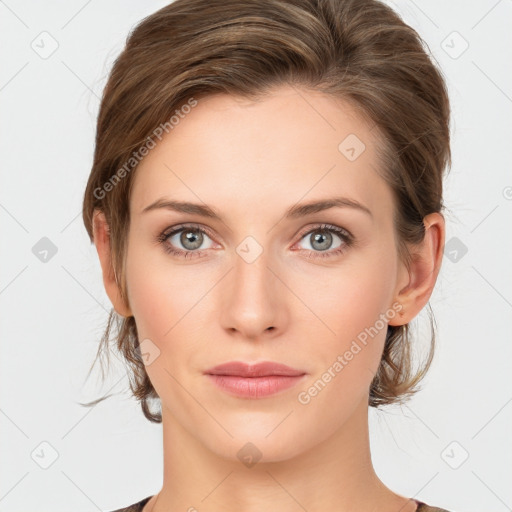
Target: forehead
287,146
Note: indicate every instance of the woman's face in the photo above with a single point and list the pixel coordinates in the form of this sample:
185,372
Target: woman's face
257,283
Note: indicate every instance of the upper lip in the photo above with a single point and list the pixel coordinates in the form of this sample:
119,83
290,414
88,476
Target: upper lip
262,369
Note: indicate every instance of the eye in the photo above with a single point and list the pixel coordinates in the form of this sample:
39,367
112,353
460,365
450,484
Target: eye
322,241
191,238
185,241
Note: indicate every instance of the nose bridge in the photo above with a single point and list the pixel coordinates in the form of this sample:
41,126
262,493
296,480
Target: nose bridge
253,304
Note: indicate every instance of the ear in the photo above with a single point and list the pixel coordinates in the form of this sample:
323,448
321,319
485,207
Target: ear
101,234
415,285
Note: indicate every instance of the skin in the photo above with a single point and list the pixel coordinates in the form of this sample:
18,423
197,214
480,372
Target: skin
250,161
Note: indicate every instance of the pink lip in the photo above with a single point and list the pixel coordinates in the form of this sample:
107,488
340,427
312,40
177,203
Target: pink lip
254,381
263,369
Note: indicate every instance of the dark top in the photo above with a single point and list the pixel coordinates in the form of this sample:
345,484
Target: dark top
137,507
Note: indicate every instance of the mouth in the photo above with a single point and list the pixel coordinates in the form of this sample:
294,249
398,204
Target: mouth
254,381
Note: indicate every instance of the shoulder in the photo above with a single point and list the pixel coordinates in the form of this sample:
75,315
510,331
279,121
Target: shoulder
136,507
424,507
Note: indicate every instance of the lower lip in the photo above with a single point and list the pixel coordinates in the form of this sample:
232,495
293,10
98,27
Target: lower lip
254,387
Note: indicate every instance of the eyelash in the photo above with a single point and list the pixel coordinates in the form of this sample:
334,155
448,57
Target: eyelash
346,237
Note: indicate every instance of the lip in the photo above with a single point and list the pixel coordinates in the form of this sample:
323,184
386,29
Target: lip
262,369
254,387
254,381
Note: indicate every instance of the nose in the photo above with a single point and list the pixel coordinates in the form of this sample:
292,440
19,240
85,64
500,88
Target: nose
253,302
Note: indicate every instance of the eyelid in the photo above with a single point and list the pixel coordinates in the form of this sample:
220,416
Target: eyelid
327,227
180,227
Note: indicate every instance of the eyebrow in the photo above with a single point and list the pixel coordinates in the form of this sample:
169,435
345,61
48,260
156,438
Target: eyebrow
294,212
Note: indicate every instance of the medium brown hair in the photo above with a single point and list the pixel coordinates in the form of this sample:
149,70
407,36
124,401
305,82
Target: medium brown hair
359,51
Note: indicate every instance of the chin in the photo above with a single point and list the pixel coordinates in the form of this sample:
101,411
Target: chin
256,450
256,442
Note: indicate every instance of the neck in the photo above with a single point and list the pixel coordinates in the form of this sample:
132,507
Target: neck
335,475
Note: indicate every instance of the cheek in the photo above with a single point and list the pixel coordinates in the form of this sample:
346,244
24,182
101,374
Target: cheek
352,309
168,302
164,315
352,298
156,292
349,345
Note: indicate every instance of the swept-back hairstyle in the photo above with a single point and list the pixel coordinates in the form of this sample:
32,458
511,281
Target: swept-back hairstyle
359,51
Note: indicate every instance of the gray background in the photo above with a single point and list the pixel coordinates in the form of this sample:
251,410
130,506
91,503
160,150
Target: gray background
450,446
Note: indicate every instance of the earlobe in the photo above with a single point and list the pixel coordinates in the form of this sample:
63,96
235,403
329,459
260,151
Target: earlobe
426,259
102,242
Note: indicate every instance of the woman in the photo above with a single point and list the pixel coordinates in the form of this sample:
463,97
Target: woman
266,203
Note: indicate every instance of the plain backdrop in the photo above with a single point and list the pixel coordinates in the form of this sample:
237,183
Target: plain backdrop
449,446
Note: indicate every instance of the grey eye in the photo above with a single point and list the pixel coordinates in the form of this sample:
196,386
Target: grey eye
189,238
321,240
